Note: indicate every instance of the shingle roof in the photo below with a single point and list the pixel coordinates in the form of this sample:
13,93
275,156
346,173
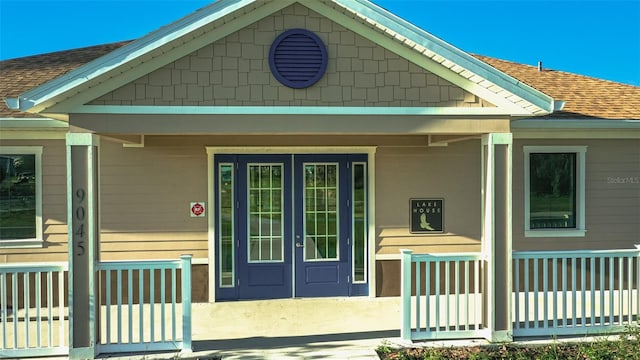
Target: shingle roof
22,74
585,97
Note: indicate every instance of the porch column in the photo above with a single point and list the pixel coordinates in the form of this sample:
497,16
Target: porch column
84,232
496,241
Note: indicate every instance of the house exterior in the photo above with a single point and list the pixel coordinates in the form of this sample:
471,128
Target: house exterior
294,147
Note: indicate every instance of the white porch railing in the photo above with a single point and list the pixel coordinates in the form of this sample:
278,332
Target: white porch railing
448,300
575,292
138,314
554,293
157,316
32,310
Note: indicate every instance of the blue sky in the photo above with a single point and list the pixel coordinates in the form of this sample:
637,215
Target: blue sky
599,38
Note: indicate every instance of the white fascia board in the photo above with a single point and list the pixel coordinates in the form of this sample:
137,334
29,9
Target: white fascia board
419,36
40,95
564,123
288,110
32,123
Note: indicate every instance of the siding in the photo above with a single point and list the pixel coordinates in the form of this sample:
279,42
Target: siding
452,173
146,192
235,71
612,214
145,196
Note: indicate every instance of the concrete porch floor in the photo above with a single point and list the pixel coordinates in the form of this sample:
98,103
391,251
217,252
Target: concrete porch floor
317,328
314,328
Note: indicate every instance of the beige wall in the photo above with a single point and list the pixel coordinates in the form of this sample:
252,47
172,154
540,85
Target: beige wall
612,216
54,205
452,173
145,197
235,71
146,192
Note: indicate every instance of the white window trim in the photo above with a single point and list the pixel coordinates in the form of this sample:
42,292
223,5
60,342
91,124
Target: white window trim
38,240
580,229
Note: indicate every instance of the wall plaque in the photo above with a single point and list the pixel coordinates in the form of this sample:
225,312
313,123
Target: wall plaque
198,209
427,216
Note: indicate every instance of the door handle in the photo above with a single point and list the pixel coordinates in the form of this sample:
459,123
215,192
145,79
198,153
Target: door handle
299,245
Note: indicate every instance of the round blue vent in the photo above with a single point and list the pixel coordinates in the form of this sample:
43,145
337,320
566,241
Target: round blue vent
298,58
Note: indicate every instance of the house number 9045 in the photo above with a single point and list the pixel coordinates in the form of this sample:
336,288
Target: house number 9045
79,214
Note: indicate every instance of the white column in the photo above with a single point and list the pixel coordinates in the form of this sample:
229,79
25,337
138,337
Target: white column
84,231
496,237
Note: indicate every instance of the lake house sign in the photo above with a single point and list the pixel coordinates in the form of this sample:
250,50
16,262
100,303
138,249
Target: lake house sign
427,216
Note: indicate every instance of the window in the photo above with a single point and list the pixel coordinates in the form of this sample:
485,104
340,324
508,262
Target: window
20,196
226,224
359,214
265,212
554,190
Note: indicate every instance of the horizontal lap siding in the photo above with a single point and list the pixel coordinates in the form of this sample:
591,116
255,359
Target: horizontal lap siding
145,197
141,245
613,193
612,185
422,245
452,173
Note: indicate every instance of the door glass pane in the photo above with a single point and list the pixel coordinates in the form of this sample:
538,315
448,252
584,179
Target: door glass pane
552,190
321,214
225,219
265,213
359,222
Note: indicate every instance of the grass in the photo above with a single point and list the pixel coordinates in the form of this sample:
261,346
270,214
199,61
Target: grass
623,346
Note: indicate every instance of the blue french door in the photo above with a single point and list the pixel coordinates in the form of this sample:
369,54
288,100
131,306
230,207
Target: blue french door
322,226
254,226
290,226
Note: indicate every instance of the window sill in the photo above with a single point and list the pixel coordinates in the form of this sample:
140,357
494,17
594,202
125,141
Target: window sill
22,243
555,233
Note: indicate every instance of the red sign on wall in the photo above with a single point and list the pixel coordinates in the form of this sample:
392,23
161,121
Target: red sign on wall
198,209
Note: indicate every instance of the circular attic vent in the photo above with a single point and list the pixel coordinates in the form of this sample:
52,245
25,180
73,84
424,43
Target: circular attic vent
298,58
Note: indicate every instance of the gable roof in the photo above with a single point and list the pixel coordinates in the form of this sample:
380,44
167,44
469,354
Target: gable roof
586,97
208,24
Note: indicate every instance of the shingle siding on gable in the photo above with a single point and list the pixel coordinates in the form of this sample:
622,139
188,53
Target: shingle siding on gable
235,71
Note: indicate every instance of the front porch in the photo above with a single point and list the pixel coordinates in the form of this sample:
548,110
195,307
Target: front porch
309,327
299,328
